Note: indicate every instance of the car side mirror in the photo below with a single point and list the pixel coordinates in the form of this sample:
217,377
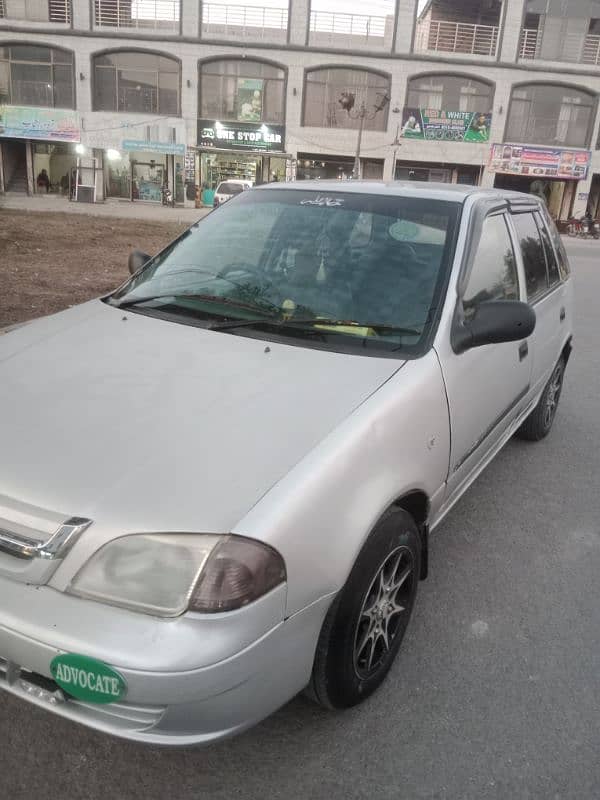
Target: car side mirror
136,260
494,321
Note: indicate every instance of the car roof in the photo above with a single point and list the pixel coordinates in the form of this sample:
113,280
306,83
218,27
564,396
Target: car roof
452,192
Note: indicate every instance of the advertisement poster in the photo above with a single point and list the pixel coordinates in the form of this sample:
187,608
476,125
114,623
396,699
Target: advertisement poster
190,166
447,126
49,124
240,136
249,99
548,162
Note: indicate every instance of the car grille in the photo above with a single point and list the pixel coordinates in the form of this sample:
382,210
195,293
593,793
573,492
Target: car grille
124,716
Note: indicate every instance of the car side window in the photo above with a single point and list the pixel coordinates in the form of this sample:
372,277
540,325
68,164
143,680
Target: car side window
553,271
494,275
534,259
561,253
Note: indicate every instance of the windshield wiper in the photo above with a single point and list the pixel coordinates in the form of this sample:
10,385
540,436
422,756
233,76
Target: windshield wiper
208,298
314,321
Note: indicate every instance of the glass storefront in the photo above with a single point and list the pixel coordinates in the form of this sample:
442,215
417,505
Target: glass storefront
221,166
315,167
137,175
438,173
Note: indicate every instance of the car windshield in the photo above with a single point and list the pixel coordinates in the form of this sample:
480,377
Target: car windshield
344,271
230,188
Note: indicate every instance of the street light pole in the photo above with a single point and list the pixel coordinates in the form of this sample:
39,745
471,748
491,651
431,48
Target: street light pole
362,115
346,101
396,144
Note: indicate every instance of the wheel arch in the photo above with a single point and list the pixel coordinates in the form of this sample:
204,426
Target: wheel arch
417,504
567,350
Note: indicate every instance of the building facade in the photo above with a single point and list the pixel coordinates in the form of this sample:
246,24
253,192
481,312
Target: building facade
118,98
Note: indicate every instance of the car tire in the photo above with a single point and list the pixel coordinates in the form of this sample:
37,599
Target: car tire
539,423
365,625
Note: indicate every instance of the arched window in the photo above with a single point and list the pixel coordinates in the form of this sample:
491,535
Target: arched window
545,113
136,82
36,76
450,92
323,90
241,90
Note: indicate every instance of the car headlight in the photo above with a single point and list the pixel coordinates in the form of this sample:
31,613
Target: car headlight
168,574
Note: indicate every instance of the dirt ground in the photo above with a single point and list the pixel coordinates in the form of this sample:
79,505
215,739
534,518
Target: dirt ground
50,261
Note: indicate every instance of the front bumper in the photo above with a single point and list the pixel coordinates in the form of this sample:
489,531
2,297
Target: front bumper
170,707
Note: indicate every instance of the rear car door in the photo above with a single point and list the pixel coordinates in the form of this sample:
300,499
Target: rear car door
545,292
487,386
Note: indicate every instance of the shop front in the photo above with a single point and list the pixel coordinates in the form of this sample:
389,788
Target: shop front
549,173
441,172
312,166
243,151
38,149
140,170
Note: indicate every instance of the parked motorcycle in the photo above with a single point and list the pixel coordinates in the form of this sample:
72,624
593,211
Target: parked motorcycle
167,197
583,228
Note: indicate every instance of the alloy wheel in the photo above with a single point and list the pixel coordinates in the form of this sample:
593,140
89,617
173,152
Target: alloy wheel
553,394
385,612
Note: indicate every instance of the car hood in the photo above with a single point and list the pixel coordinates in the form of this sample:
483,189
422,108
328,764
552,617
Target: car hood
147,424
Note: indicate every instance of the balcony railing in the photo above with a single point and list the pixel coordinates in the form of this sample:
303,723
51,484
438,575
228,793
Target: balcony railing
457,37
529,43
36,10
162,15
572,47
591,49
244,22
350,30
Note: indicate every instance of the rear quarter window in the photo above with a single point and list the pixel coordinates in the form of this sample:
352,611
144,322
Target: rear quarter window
534,258
559,248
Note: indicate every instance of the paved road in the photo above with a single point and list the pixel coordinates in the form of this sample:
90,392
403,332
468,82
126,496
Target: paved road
496,693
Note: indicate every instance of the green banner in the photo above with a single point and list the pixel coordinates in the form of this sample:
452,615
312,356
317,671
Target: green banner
446,126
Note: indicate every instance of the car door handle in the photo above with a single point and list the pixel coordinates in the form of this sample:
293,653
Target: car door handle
563,314
523,350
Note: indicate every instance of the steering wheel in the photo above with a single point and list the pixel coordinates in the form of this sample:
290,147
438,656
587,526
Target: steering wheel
244,271
409,250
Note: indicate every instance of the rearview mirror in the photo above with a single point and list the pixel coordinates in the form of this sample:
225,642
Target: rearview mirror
494,321
136,261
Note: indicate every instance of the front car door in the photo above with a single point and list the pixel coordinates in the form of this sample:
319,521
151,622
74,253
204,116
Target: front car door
487,386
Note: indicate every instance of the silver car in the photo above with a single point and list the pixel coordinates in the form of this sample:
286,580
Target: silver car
218,482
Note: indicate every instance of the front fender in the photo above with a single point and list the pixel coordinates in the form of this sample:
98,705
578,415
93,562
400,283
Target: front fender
320,514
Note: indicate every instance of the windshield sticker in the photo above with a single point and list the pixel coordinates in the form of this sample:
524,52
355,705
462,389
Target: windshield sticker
330,202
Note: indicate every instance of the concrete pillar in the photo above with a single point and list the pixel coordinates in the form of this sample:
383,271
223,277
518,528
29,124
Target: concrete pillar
82,19
388,167
298,21
99,176
2,188
191,19
29,162
405,23
511,31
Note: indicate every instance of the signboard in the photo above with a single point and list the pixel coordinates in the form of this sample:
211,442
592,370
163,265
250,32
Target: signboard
240,136
540,162
446,126
142,146
250,99
50,124
190,166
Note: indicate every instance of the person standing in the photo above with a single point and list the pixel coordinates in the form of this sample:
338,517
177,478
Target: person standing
43,180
